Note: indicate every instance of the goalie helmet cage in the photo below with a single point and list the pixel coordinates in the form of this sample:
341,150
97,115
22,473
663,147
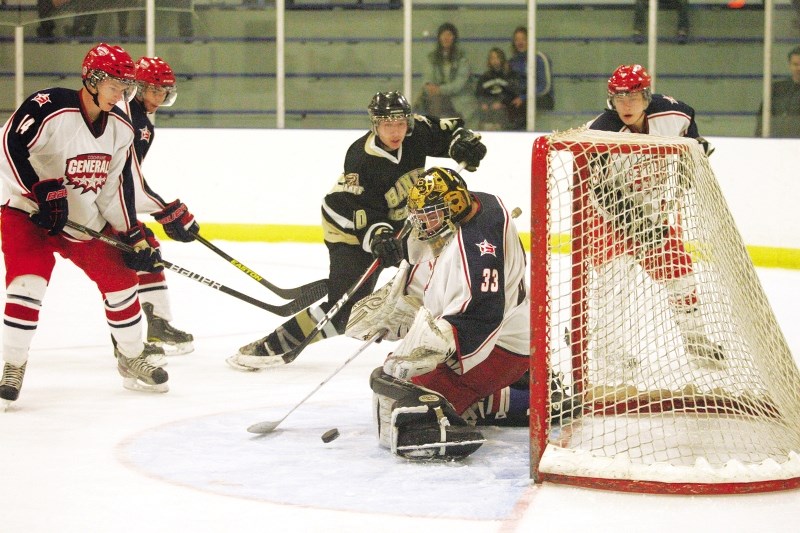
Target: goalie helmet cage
650,415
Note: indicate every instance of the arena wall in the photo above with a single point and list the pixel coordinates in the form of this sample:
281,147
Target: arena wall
267,184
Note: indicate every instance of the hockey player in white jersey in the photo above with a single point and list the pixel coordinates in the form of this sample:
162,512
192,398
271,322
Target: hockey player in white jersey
66,157
461,313
156,87
633,216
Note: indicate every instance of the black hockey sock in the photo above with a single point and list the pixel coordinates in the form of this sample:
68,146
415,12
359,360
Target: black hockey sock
292,332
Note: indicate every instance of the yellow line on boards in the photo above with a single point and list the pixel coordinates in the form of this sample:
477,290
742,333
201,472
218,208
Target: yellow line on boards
762,256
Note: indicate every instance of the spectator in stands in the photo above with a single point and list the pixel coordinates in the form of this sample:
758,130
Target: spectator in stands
447,91
785,114
84,25
545,96
640,20
45,9
497,87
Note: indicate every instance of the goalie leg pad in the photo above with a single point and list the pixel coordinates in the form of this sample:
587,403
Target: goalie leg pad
420,424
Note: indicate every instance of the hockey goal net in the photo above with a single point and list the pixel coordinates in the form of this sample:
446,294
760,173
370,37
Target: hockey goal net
645,304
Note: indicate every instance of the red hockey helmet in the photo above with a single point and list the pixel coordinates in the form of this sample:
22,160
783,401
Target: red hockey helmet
109,61
629,79
155,74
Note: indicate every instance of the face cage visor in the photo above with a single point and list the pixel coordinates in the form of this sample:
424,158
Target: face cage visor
622,95
126,87
169,93
431,220
394,117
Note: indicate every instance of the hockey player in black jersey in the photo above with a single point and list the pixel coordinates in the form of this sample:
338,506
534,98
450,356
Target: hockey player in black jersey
364,211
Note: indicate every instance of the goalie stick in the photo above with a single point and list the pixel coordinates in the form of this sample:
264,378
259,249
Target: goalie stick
305,294
262,428
288,309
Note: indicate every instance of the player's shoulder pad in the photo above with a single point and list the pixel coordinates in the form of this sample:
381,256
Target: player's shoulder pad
116,111
608,120
663,102
491,220
49,101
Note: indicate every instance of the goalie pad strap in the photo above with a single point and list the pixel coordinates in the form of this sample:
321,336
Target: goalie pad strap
418,423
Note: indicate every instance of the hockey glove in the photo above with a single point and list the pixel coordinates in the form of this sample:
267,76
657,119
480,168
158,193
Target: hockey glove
178,222
51,195
466,147
386,246
428,343
145,256
708,148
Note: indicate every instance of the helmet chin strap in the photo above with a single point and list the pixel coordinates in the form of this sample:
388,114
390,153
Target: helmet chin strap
93,95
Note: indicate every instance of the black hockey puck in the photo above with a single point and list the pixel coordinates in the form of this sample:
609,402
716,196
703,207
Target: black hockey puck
331,434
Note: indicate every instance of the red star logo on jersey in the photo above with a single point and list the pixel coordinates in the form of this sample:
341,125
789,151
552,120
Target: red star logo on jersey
486,247
145,134
670,99
41,98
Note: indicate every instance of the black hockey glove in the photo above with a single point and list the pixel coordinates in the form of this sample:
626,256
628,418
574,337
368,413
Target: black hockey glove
145,256
178,222
708,148
466,147
51,195
386,246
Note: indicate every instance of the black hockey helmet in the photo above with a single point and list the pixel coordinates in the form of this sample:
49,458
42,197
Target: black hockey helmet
390,106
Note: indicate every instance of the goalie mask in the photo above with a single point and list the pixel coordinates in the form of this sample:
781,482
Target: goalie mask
106,61
627,80
438,201
389,107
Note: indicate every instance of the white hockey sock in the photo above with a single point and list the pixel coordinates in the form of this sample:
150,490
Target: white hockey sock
21,317
125,318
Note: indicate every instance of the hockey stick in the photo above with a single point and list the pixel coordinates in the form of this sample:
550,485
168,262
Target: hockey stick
268,426
305,294
288,309
292,354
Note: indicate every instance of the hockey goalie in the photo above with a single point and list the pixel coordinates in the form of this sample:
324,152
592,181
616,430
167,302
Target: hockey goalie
460,310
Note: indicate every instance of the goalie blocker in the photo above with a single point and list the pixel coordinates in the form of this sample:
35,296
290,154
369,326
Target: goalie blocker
418,423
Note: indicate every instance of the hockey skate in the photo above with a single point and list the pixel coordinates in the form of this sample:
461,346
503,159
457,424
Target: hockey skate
11,384
155,354
139,375
162,334
254,357
702,351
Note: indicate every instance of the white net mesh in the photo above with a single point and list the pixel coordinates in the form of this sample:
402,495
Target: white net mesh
658,321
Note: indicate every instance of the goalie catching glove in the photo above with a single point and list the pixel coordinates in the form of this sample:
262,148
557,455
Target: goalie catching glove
428,343
178,222
388,309
466,147
145,256
418,423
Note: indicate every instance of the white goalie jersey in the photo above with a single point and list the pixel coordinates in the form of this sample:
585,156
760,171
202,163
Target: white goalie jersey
477,283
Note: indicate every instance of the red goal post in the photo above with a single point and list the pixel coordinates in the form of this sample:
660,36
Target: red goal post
645,302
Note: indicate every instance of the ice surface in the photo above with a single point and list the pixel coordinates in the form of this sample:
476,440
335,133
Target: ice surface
80,453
